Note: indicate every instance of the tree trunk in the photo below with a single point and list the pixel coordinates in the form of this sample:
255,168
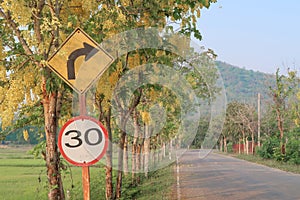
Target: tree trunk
138,161
133,163
134,145
247,147
244,141
178,145
221,144
239,145
147,150
225,144
125,160
160,155
252,141
164,150
50,104
258,118
120,164
156,156
170,149
281,130
108,166
153,157
124,118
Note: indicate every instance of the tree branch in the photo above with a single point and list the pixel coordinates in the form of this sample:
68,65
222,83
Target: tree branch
37,17
17,31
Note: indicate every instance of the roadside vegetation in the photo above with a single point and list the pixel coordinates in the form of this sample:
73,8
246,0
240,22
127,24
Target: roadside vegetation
20,170
268,134
143,129
35,102
288,167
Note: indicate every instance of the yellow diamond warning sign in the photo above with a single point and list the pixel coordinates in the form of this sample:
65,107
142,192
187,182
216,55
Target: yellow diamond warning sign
79,61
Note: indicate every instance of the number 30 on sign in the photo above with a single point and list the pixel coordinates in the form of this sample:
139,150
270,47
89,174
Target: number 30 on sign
83,141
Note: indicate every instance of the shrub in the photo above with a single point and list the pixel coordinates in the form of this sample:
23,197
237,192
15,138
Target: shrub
229,147
269,147
293,147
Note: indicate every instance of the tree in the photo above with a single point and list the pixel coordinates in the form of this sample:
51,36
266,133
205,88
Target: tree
30,32
280,121
295,102
239,124
283,89
297,110
232,126
248,116
118,16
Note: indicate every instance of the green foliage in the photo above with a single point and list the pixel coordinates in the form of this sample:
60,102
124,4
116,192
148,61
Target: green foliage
278,119
270,162
269,148
293,147
157,186
38,150
20,170
229,147
16,135
32,31
199,138
268,122
243,85
240,121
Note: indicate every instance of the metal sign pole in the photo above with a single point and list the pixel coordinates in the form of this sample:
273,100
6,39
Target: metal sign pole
86,182
85,169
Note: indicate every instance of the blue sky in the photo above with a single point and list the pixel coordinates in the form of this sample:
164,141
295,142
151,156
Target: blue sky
259,34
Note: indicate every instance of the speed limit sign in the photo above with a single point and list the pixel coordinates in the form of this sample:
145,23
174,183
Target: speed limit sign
83,141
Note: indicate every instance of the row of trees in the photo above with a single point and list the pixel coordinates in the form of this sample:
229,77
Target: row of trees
279,125
31,94
145,110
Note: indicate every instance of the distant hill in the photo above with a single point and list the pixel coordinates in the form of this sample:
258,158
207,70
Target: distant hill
243,85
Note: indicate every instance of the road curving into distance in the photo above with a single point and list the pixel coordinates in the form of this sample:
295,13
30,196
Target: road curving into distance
219,177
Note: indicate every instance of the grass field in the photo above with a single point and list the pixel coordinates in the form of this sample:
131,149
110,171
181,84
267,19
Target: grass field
19,174
24,178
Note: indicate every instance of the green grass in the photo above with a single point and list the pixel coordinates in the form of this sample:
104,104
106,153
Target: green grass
23,177
19,174
15,152
270,163
19,183
156,187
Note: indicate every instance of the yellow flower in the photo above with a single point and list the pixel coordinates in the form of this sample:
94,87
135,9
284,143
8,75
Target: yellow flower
25,135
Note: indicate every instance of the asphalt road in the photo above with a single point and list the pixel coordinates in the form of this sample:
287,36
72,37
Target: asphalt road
219,177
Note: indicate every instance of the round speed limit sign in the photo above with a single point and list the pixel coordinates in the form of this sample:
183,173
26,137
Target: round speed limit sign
83,141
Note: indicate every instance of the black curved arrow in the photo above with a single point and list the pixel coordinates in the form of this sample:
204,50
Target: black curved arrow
88,51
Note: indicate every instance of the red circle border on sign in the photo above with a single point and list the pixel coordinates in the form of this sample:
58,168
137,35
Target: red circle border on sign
103,129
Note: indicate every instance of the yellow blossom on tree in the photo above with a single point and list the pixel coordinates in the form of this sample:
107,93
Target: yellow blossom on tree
25,135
